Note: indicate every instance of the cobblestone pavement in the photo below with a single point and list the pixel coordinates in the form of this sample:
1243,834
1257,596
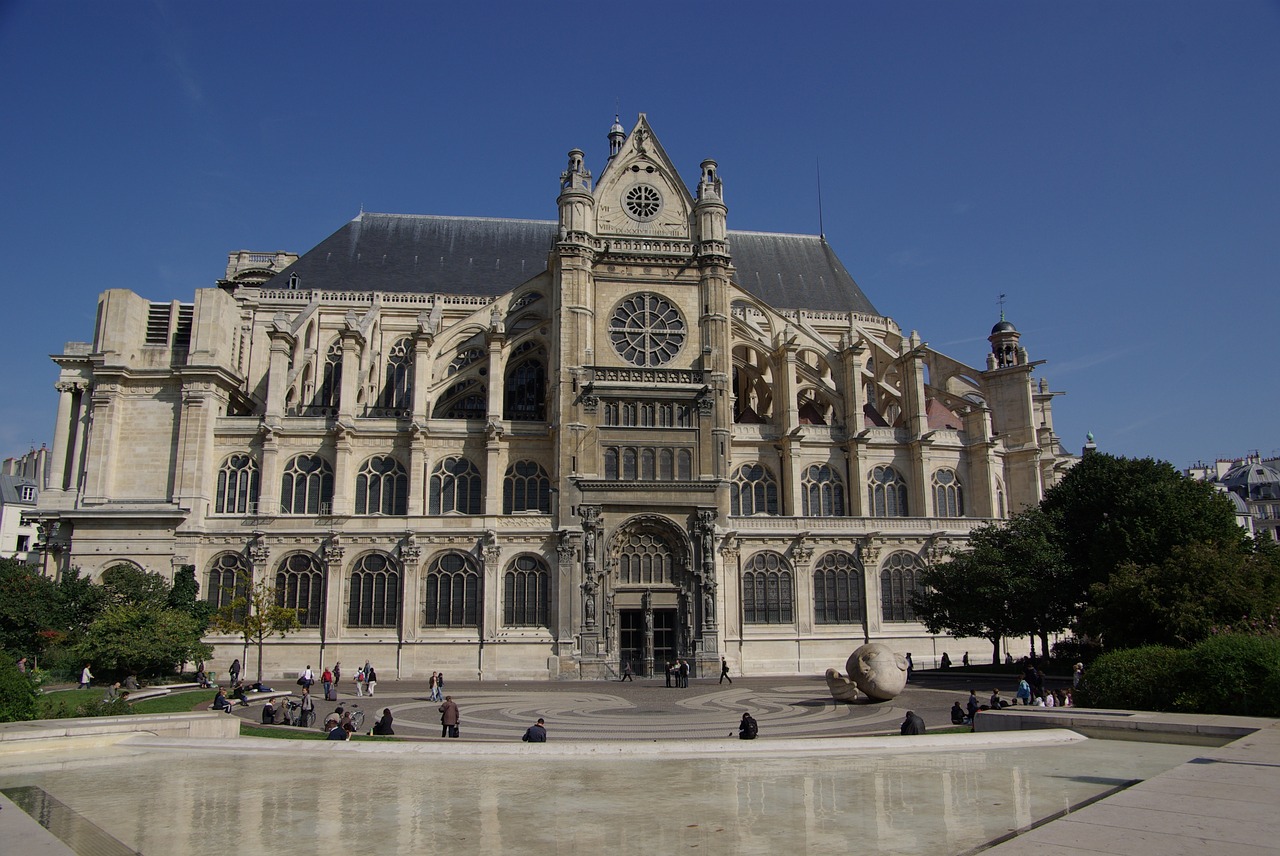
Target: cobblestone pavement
645,709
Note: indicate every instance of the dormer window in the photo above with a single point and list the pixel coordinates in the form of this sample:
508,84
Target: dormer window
28,493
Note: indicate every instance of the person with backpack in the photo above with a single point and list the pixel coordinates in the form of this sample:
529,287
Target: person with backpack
748,728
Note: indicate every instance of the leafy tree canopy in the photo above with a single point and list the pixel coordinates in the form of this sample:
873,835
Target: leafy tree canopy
1112,511
1183,599
29,603
142,639
127,584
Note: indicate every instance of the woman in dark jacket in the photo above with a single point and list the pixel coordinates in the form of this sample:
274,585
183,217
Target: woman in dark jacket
383,726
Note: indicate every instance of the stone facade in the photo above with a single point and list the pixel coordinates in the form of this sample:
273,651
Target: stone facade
524,449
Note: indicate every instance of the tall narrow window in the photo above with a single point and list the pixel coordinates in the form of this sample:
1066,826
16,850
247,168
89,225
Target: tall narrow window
382,487
307,486
330,389
300,587
526,384
823,492
837,590
526,487
526,593
452,592
886,493
644,558
767,591
237,486
375,592
228,583
455,487
754,491
397,386
897,584
948,500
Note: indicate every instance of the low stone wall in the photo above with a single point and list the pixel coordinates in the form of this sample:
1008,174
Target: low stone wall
1189,728
45,734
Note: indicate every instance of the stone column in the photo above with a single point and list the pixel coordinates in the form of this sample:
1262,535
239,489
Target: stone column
334,587
590,630
343,481
282,342
269,487
61,436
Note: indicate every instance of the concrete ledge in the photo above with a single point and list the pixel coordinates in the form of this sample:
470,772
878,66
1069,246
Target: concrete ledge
1189,728
25,835
46,734
841,746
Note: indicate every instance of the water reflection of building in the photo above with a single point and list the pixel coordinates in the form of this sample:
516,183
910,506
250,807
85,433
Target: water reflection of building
539,449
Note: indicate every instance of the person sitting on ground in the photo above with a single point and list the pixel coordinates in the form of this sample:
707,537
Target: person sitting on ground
238,693
748,728
536,733
113,692
338,733
957,715
131,682
1038,701
913,724
221,702
383,725
996,701
268,713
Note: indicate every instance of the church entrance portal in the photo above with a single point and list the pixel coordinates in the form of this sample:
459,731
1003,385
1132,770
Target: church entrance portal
632,643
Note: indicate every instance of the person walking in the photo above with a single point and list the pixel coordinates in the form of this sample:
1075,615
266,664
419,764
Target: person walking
911,666
626,673
965,659
86,677
307,709
370,680
326,678
449,718
434,686
307,679
724,670
337,676
234,672
536,733
359,679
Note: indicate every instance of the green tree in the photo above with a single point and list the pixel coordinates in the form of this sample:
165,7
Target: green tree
254,616
1006,583
1181,600
18,692
1112,511
142,639
185,595
79,601
128,584
28,606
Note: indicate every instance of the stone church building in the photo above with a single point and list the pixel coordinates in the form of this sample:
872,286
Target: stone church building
543,449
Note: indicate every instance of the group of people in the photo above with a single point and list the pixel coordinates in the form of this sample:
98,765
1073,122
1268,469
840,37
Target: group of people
678,673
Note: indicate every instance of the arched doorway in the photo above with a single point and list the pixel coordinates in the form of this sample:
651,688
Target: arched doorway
650,595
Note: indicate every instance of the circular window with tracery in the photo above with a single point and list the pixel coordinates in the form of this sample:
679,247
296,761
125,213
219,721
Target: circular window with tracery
643,202
647,330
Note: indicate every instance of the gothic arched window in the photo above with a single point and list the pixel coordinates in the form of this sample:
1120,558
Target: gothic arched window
452,592
382,487
644,558
886,493
463,400
455,487
837,590
330,389
823,494
754,491
767,592
465,357
526,487
227,583
948,499
237,486
300,587
525,390
526,593
307,486
397,386
374,599
898,581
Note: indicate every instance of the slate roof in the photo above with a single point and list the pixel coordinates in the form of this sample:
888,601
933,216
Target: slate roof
488,256
11,490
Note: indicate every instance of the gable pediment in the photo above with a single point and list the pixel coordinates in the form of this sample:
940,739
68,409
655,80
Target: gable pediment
640,192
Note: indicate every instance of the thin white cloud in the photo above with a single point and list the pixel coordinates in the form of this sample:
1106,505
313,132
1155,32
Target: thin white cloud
173,51
1088,361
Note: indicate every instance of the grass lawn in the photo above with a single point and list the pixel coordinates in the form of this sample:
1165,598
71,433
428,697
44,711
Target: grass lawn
179,702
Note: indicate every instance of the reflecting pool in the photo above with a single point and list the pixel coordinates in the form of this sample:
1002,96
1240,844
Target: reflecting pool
267,797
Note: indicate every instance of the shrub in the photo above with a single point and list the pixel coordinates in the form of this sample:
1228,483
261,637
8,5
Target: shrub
1147,678
1232,674
1075,649
17,692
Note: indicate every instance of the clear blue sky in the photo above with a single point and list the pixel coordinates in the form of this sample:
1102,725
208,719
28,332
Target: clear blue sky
1113,167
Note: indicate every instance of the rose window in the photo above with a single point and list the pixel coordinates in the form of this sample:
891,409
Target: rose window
647,330
642,202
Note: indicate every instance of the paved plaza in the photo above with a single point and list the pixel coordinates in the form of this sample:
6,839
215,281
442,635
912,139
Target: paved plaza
646,709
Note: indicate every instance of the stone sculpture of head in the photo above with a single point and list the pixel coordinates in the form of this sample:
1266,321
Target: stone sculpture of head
877,671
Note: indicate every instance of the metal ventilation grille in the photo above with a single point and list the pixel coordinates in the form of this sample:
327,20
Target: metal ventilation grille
158,324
